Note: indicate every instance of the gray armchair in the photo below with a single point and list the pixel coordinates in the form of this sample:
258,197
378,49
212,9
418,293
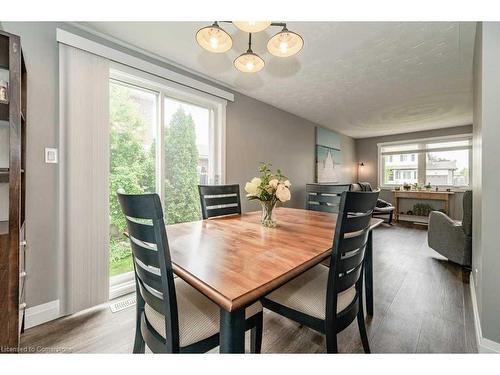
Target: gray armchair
450,238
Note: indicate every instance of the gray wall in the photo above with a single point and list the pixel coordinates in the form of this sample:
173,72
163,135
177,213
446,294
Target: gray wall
367,152
486,250
477,166
259,132
43,261
255,132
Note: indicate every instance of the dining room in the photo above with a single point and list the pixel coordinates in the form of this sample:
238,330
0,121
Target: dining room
248,187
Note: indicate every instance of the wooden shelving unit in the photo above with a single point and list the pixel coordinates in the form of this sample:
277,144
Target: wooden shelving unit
414,218
443,196
12,231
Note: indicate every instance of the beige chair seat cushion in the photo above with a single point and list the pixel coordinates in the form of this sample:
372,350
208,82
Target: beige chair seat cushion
307,293
198,316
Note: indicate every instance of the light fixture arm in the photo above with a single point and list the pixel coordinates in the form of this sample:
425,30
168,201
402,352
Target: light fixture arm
280,24
249,42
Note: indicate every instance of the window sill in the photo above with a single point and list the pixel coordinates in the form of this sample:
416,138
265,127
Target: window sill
120,285
454,189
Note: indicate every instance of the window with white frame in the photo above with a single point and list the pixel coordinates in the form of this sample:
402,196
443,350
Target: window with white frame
443,161
164,138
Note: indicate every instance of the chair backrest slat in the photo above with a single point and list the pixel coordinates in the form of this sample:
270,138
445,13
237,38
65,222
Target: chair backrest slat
224,211
347,280
152,300
148,277
354,242
357,222
141,231
219,200
351,260
324,198
145,253
333,199
152,263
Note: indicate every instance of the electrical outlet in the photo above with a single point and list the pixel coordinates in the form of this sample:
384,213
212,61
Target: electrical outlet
51,155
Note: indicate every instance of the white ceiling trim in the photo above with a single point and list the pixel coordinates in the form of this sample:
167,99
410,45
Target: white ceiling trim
85,44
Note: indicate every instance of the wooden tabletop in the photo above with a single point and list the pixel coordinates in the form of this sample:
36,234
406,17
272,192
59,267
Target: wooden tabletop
234,260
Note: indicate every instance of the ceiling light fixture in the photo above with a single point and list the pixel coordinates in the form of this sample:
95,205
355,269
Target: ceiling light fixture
214,39
252,26
284,44
249,62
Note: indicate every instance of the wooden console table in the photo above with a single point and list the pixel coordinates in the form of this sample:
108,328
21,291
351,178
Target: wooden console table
421,195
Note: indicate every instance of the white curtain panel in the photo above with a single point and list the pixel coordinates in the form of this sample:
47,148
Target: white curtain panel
84,168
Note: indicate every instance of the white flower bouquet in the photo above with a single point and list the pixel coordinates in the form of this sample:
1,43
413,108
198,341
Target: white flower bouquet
270,188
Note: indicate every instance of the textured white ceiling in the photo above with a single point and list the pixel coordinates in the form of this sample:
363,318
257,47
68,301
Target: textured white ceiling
361,78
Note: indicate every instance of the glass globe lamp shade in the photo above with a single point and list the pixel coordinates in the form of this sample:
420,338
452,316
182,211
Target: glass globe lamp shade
214,39
285,43
249,62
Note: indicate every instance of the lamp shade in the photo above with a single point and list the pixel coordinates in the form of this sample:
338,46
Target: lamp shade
249,62
214,39
285,43
252,26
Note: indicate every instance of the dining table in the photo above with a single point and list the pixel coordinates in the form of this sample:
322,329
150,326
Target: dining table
235,261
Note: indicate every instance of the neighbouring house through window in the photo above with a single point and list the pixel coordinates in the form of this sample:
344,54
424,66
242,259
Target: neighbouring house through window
444,161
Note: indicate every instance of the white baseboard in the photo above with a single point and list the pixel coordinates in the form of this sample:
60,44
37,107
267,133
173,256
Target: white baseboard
484,345
42,313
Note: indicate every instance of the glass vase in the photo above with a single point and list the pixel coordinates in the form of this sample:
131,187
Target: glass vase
267,214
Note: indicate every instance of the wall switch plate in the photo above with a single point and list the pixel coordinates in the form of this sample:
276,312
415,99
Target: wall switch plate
51,155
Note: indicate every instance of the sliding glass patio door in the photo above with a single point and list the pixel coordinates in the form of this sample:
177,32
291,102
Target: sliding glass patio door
163,141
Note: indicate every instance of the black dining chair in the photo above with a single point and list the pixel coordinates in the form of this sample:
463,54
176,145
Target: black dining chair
171,315
328,299
324,198
219,200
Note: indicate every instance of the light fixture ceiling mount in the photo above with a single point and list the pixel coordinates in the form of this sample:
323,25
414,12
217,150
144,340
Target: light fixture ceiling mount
283,44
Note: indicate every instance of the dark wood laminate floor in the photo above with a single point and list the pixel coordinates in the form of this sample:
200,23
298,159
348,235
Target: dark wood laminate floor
422,305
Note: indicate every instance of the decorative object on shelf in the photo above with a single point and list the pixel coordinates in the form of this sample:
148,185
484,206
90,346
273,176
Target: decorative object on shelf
283,44
406,187
270,188
4,92
397,188
428,187
417,186
422,209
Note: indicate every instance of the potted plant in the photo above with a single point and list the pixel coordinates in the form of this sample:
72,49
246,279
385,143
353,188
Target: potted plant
270,188
417,186
406,186
428,187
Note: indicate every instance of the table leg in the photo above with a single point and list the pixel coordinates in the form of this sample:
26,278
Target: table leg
232,331
369,274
